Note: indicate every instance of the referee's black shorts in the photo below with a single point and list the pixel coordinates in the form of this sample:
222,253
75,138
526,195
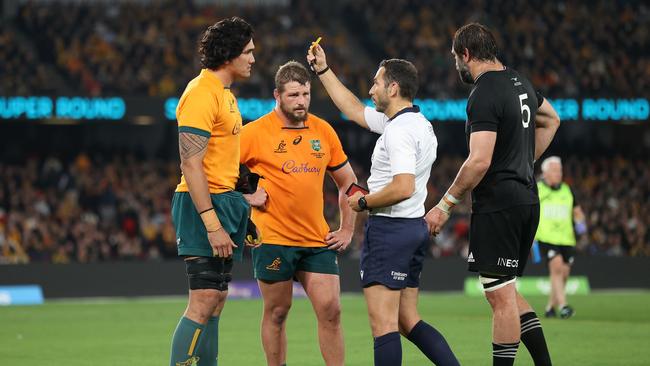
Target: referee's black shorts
550,251
499,242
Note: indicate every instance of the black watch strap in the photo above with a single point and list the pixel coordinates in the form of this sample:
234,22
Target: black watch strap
362,203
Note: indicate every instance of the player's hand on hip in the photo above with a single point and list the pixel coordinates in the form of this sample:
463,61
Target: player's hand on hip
339,240
257,199
221,243
436,219
316,58
353,201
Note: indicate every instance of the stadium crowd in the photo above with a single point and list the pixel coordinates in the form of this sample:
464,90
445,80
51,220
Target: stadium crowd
86,211
567,48
21,73
92,209
97,209
135,48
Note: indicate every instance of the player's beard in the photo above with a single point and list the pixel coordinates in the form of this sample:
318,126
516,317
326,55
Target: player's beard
292,115
465,75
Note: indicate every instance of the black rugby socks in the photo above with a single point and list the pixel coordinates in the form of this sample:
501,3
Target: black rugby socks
432,344
532,336
388,350
503,354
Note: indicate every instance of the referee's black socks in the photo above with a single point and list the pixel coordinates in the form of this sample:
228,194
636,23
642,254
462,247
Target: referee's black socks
388,350
533,337
432,344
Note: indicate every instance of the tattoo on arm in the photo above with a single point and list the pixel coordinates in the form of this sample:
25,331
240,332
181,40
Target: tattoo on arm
190,144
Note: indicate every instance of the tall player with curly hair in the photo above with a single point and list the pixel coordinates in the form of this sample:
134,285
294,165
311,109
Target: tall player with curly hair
209,216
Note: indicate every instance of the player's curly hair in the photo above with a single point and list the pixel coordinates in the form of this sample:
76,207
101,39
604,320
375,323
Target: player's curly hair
291,71
224,41
478,40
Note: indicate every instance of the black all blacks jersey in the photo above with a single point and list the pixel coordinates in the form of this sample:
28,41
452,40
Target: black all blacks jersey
506,103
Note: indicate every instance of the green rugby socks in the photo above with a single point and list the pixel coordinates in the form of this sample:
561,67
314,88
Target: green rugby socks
186,342
209,349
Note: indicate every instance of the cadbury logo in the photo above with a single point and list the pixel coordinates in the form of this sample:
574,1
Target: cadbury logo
290,166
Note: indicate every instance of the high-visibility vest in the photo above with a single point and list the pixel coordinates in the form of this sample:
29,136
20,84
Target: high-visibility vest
556,215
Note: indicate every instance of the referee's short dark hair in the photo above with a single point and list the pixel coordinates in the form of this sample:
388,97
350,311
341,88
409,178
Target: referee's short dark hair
224,41
478,40
291,71
404,74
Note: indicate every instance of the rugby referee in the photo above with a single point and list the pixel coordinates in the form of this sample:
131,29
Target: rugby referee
396,237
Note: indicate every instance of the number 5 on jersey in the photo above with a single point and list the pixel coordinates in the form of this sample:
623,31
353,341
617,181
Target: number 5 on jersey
525,118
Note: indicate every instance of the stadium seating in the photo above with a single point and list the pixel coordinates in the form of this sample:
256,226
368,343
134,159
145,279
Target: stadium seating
149,49
91,209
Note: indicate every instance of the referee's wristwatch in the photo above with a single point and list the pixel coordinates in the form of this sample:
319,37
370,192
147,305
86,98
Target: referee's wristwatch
362,203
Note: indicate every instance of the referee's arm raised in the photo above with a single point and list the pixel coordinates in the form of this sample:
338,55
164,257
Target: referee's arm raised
345,101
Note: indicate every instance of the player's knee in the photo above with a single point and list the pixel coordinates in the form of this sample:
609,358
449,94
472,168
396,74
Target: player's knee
207,273
330,312
203,304
496,291
279,314
199,314
500,302
382,323
384,326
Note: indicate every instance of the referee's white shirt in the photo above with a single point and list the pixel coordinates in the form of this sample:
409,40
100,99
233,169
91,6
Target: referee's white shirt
407,145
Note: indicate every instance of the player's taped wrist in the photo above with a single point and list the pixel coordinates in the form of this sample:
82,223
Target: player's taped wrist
447,202
210,220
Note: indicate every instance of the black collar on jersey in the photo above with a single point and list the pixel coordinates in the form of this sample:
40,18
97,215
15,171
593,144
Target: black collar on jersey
485,72
296,128
414,109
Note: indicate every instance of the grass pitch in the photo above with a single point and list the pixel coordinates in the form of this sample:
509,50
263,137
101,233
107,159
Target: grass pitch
610,328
